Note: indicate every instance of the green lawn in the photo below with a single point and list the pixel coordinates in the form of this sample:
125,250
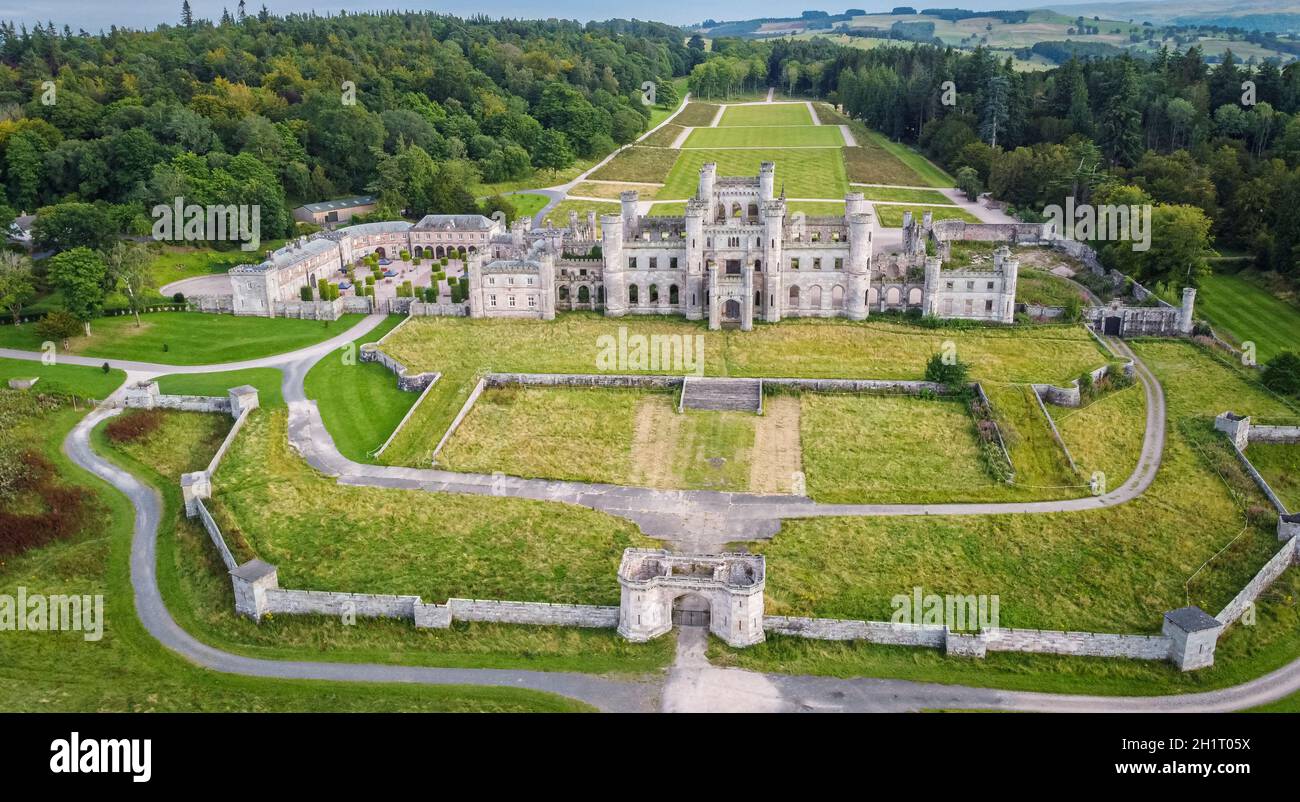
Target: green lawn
266,380
559,215
187,338
128,670
1279,463
76,380
527,204
1241,311
926,196
892,216
806,173
1045,289
766,136
358,401
794,114
175,263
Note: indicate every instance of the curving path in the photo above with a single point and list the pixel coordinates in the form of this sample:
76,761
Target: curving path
692,684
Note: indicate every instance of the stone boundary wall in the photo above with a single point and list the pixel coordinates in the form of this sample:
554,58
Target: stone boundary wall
422,309
1285,558
308,310
859,386
882,632
1051,425
1002,444
615,380
316,602
1274,434
1088,644
416,383
225,444
460,417
145,395
1030,641
1260,481
534,613
409,413
214,533
1071,395
211,304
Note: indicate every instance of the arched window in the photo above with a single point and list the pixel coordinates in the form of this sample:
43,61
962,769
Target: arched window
892,296
673,295
654,293
817,297
564,293
758,265
633,295
600,294
837,297
758,299
914,296
584,295
794,296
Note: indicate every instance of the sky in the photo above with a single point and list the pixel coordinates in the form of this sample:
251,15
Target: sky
93,15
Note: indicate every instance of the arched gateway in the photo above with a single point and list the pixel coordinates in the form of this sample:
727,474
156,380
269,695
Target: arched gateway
651,580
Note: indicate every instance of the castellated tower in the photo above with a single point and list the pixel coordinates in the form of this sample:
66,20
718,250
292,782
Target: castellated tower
930,298
696,209
708,173
766,181
628,200
859,266
773,230
614,277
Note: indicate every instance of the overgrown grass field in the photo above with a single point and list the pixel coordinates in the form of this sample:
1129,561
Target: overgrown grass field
462,349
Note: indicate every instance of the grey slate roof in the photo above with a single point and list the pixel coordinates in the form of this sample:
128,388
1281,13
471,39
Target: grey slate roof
340,203
1192,619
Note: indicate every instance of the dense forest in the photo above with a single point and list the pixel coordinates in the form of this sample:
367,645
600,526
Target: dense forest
420,108
1216,149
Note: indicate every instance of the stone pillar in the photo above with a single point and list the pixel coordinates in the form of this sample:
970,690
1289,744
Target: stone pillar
747,305
1236,427
1194,633
251,581
1288,526
1185,311
432,616
930,294
241,398
766,181
195,486
1010,277
613,275
715,320
627,201
141,395
694,300
859,267
644,613
738,619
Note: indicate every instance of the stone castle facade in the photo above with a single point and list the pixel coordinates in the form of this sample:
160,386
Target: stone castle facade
737,255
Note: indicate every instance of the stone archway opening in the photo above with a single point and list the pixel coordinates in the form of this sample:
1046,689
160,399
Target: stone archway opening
731,310
691,610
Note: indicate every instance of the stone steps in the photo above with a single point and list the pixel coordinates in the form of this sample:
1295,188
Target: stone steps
738,395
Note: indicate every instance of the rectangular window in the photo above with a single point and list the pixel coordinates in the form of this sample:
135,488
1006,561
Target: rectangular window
794,264
493,301
512,300
947,285
990,285
839,263
654,262
970,285
631,263
988,306
672,262
817,264
532,300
